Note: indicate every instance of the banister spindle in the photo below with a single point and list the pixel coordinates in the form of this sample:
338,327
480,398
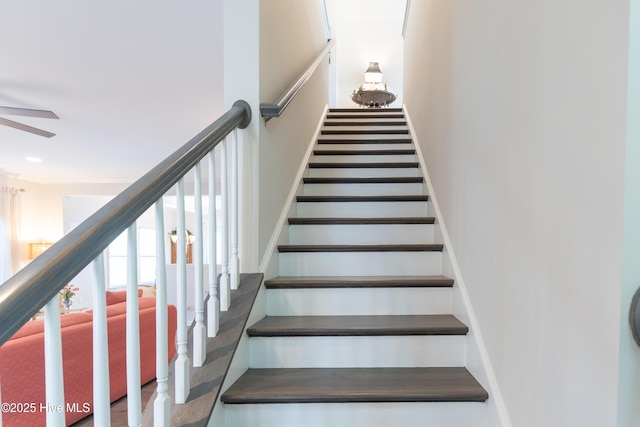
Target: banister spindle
101,396
54,383
134,396
235,260
213,305
162,404
225,290
199,330
182,379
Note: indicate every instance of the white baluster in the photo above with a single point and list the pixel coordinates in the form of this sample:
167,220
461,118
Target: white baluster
162,404
134,398
213,306
235,260
54,382
101,396
199,330
225,290
182,380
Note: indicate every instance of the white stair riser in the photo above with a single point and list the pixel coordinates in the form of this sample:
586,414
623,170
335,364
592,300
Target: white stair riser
359,352
361,172
400,140
361,234
361,209
367,158
358,302
371,121
361,130
346,146
405,414
364,113
360,263
375,189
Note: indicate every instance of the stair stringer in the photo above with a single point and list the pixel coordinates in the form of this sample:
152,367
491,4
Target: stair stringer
241,358
478,361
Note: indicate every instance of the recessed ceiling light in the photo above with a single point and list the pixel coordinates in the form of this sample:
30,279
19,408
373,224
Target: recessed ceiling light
33,159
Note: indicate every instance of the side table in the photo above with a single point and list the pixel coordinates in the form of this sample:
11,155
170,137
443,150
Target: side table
373,98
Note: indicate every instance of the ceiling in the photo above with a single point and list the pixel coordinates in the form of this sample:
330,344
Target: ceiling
130,81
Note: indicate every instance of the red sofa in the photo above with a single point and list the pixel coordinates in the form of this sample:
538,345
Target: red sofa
22,385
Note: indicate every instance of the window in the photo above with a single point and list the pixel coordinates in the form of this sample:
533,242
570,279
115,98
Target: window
117,258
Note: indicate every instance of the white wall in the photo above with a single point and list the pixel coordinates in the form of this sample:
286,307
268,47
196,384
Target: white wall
520,111
292,34
629,373
367,31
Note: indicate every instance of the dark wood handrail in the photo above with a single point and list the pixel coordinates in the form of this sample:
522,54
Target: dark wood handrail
275,109
32,287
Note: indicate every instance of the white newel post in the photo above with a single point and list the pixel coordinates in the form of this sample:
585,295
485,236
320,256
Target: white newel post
235,260
213,306
134,396
182,380
101,396
54,382
225,290
199,330
162,404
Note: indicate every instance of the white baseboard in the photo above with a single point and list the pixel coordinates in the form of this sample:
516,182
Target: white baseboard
497,414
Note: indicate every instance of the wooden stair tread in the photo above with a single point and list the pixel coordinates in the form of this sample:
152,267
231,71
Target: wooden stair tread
364,130
362,221
316,385
428,247
367,165
400,198
332,282
365,139
386,325
364,180
363,152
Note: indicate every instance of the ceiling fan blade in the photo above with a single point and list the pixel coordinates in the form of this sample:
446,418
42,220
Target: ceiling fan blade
28,112
26,128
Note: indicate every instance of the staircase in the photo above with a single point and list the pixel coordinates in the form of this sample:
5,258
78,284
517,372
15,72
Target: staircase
359,330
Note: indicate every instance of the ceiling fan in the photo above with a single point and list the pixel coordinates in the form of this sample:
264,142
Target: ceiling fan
27,112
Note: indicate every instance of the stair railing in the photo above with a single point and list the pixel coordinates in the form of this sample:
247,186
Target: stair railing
275,108
38,284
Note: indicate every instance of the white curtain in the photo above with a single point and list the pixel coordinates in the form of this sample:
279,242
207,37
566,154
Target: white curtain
5,235
10,226
16,226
